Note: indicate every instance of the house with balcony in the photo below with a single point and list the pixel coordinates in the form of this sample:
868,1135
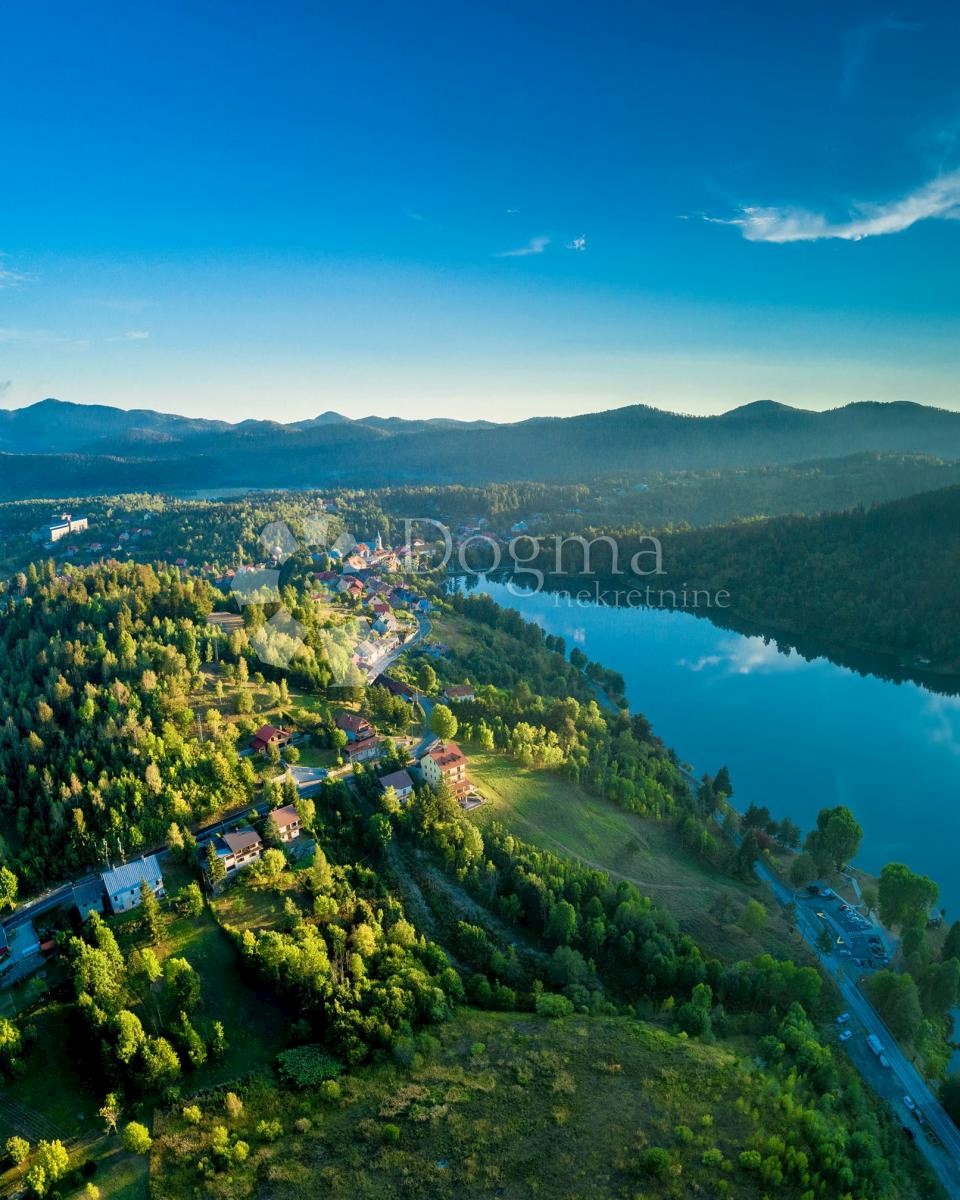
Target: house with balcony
446,764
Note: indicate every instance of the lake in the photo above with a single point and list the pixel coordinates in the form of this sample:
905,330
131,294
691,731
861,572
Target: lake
798,735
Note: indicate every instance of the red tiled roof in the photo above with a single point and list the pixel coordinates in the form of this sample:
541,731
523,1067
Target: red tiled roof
352,722
364,744
447,756
267,732
283,817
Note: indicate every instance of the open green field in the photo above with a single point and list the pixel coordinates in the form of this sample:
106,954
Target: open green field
254,1022
543,808
500,1104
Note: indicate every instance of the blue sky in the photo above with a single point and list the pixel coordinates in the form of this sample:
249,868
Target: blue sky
235,209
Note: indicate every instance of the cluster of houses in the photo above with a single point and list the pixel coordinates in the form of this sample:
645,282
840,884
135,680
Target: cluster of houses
388,608
435,762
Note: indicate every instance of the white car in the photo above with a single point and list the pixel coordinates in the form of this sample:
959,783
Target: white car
910,1103
846,1035
843,1018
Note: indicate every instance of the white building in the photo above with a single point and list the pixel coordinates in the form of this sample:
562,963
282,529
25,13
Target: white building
122,884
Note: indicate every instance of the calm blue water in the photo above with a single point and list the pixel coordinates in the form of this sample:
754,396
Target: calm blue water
796,735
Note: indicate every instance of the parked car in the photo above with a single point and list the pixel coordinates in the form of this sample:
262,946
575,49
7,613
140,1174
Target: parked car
910,1103
883,1060
843,1018
846,1035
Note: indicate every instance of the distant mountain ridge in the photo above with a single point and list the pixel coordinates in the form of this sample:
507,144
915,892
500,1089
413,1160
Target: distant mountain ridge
76,448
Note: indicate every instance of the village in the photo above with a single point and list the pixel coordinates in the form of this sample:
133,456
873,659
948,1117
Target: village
396,618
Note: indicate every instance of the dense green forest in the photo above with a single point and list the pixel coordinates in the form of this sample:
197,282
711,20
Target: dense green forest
875,579
229,1035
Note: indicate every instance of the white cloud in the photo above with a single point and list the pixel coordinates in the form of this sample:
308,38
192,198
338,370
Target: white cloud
536,245
132,335
9,277
940,198
42,337
578,243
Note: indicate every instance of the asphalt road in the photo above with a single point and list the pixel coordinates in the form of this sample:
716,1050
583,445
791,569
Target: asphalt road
891,1083
901,1078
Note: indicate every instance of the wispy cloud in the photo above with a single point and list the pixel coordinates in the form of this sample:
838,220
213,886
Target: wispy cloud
5,386
859,42
578,243
42,337
536,245
132,335
8,276
940,198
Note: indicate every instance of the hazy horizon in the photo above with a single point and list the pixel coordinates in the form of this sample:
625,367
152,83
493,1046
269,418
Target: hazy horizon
409,415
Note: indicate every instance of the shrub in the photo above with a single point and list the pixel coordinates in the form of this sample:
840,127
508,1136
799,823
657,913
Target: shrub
306,1066
18,1149
390,1134
553,1006
136,1138
193,1114
656,1161
269,1130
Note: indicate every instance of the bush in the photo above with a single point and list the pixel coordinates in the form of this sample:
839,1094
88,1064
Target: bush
269,1130
390,1134
553,1006
136,1138
306,1066
330,1090
18,1149
193,1114
656,1161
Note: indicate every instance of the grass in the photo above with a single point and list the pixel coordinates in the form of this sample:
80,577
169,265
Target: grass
543,808
254,1022
499,1104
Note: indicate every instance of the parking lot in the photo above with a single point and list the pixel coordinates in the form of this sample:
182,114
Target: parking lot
855,937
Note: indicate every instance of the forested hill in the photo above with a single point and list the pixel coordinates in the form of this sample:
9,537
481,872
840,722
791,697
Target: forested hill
877,579
81,449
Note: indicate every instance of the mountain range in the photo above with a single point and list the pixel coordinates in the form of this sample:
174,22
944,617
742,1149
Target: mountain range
58,448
